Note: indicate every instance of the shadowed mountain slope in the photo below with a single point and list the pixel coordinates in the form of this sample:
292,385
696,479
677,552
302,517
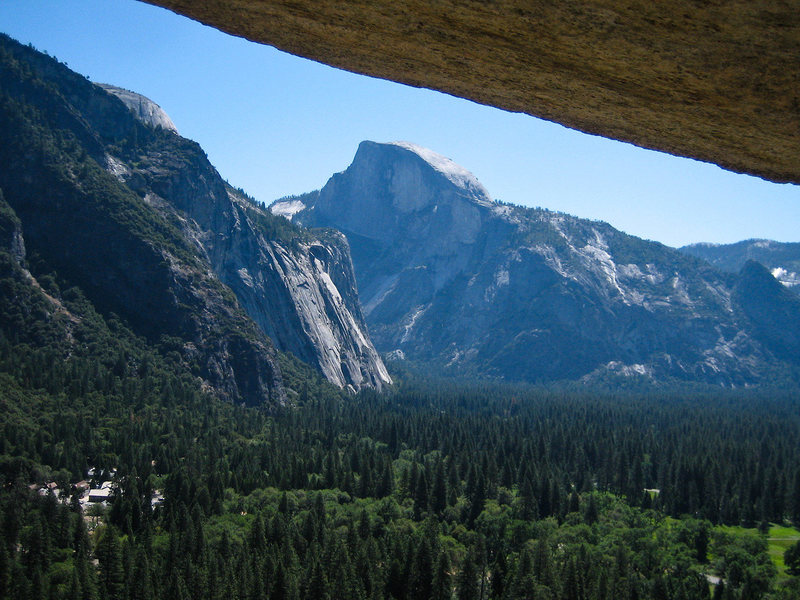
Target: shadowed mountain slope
137,218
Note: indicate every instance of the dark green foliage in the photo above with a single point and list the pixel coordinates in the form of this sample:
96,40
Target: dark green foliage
467,586
111,575
791,559
262,541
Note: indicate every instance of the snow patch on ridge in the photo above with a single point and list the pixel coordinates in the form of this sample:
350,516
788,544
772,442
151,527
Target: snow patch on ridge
788,278
287,208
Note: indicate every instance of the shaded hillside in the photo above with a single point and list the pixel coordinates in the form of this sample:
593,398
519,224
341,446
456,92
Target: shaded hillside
138,218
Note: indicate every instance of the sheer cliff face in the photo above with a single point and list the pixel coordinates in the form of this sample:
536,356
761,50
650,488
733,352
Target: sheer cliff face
454,280
137,217
310,288
414,220
299,289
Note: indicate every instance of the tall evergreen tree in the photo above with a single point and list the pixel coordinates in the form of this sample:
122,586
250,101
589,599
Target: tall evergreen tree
467,585
109,556
442,586
422,571
140,585
318,588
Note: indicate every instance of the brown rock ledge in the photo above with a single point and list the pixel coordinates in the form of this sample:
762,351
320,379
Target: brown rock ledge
716,80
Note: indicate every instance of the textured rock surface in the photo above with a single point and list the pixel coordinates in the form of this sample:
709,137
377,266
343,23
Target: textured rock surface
143,108
310,287
96,234
717,81
298,287
455,281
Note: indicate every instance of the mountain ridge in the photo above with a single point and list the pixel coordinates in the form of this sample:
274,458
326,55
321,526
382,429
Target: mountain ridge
495,290
781,258
82,171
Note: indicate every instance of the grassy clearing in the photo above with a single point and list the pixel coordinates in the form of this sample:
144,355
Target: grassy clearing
778,540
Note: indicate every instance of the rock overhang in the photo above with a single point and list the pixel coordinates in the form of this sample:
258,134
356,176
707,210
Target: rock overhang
716,81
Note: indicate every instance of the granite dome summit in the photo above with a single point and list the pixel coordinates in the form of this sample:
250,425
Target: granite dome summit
469,286
143,108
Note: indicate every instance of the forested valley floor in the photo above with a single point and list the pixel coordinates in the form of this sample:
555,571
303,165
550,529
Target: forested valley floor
431,491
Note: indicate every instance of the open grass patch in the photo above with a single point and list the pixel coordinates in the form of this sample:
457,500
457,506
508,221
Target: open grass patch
779,539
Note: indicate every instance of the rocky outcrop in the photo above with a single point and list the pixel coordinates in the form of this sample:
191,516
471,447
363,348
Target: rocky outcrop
462,284
11,239
298,286
713,81
303,294
143,108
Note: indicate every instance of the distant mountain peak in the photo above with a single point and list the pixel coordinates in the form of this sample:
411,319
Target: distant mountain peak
147,111
458,175
782,259
460,284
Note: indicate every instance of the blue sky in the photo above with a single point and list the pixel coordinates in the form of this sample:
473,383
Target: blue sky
275,125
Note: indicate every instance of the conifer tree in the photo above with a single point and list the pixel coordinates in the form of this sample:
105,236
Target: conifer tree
109,556
442,585
421,496
318,588
795,499
422,571
5,564
499,573
467,582
140,586
792,559
386,485
75,591
591,510
439,491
